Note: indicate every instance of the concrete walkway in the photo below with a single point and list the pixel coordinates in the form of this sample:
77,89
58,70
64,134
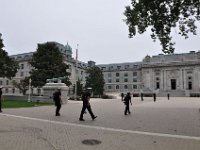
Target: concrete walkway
162,125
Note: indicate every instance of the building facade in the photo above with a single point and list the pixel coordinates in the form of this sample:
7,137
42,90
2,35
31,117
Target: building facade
77,69
122,77
177,74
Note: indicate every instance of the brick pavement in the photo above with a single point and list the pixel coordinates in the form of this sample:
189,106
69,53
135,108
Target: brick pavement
162,125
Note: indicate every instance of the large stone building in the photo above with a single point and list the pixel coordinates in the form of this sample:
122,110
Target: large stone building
76,69
177,74
122,77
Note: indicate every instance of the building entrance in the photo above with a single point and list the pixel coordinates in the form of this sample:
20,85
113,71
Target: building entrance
173,84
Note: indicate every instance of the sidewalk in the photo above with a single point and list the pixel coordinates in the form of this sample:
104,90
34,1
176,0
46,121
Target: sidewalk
39,129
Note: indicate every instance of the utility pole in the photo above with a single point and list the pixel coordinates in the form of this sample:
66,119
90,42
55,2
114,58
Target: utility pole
76,76
29,90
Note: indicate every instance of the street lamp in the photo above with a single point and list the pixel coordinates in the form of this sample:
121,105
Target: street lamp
29,90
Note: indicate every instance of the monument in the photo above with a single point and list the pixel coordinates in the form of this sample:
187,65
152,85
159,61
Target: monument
52,85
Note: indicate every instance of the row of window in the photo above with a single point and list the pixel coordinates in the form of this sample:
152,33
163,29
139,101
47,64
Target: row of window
189,78
13,90
125,80
23,57
117,74
120,67
7,82
117,87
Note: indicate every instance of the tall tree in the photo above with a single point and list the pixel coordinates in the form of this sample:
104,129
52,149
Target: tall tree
48,63
8,66
161,16
95,80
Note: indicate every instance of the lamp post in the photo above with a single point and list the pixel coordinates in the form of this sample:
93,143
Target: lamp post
29,90
76,75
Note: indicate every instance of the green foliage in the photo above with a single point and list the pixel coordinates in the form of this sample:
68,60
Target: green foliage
106,97
161,16
48,63
23,85
95,80
8,66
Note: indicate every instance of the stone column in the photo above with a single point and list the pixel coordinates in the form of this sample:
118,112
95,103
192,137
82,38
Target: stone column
181,79
165,80
195,79
161,80
152,82
184,79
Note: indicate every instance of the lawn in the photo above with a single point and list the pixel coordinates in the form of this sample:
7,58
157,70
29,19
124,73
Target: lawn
18,104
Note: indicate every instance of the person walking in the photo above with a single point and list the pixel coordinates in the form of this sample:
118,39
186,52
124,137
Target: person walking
0,98
154,97
86,105
142,95
168,96
57,101
122,96
127,101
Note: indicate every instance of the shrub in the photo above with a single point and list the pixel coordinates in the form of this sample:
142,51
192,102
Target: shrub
78,98
106,97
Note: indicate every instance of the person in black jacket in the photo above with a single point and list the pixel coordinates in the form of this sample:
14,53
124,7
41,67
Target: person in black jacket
154,97
142,95
0,98
168,96
122,96
127,101
57,101
86,105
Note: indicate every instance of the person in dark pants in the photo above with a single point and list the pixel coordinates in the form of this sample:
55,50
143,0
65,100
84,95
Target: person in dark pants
142,95
168,96
127,101
86,105
57,101
122,96
154,97
0,98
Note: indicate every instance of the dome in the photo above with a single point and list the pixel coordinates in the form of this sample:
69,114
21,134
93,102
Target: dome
68,47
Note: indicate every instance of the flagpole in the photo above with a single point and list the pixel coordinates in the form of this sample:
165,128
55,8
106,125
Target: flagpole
76,72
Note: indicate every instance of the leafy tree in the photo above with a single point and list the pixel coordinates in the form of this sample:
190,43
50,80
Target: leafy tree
161,16
95,80
22,85
8,66
48,63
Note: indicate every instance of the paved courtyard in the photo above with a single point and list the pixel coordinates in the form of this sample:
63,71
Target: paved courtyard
162,125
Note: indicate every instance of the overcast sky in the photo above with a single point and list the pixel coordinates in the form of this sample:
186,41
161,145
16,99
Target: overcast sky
96,25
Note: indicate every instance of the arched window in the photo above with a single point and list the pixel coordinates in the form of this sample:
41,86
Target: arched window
125,87
117,87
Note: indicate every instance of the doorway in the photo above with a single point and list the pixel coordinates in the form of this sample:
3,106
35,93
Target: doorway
173,84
